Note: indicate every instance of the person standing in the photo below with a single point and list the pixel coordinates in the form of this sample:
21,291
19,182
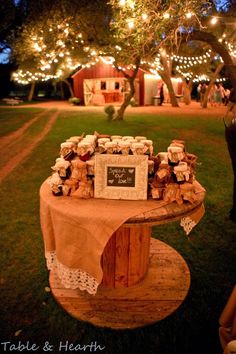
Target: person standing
202,93
198,92
218,96
161,93
230,136
227,94
222,92
212,96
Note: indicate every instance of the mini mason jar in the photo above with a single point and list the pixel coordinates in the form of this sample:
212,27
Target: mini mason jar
137,148
182,172
124,147
148,146
67,150
175,154
111,147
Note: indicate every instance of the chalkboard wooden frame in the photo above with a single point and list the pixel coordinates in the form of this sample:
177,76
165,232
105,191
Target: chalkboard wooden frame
123,169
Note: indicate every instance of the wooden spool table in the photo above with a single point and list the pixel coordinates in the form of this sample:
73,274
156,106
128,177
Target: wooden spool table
144,279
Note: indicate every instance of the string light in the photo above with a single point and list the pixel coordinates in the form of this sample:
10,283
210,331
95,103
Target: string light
214,20
144,17
130,24
166,15
50,59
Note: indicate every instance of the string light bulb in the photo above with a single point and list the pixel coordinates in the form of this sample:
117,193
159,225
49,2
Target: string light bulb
214,20
130,24
166,15
144,17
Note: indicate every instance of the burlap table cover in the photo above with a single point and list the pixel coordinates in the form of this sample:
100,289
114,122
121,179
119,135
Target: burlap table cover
76,231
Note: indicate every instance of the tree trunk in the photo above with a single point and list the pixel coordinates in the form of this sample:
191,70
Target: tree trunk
62,94
230,66
67,82
121,111
213,78
131,80
166,77
31,92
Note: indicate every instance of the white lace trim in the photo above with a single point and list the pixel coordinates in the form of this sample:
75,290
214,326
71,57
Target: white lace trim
188,224
71,278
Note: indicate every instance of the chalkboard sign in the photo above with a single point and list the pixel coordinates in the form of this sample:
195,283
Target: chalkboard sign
121,177
118,176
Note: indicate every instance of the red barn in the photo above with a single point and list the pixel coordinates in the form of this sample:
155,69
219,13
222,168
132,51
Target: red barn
102,84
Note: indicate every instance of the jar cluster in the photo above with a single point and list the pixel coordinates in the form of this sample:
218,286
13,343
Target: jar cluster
170,173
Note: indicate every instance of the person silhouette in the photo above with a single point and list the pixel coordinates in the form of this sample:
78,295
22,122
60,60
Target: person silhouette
230,136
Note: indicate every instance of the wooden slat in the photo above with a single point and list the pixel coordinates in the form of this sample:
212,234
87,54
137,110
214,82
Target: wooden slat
144,257
122,257
160,293
139,254
135,256
108,262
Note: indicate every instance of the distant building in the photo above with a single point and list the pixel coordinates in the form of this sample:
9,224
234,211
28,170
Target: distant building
102,84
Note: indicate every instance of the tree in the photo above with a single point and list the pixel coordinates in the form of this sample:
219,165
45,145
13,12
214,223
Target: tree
222,48
140,31
51,45
143,29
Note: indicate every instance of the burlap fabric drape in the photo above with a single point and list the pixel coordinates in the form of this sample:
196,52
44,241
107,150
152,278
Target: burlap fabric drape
76,231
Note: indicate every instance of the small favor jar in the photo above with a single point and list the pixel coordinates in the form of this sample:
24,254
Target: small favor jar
84,150
140,138
111,147
175,154
127,137
180,143
187,192
182,172
124,147
67,150
115,137
148,144
62,167
56,184
74,140
101,145
163,156
137,148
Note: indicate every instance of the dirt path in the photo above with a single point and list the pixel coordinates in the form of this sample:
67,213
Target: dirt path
11,138
19,134
193,109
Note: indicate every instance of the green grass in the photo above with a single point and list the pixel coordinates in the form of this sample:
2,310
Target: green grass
10,121
210,252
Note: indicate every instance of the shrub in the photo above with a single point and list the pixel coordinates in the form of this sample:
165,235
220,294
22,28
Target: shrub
110,111
74,100
133,102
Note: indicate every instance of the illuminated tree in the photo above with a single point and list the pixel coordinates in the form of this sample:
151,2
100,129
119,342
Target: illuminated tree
142,30
54,43
143,34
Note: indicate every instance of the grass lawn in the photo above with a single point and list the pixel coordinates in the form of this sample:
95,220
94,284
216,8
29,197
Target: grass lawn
210,252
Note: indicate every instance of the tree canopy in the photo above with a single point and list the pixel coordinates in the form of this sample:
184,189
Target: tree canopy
55,38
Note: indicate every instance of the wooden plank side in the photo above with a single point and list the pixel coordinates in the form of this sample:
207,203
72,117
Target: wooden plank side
108,262
139,254
122,257
134,273
145,247
157,296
